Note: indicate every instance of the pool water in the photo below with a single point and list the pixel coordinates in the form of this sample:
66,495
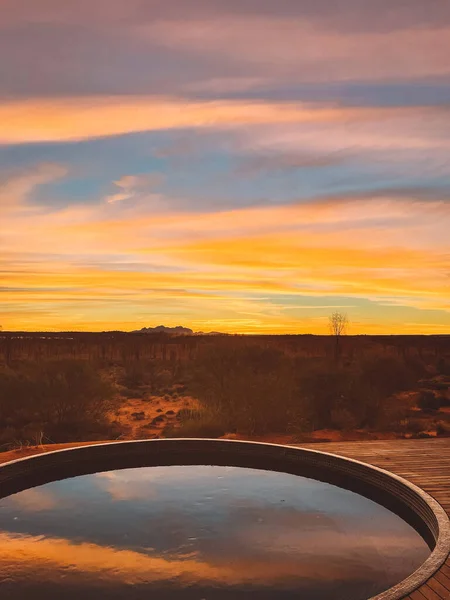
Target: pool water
200,532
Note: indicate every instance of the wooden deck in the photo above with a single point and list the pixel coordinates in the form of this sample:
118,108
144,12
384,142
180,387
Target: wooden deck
425,463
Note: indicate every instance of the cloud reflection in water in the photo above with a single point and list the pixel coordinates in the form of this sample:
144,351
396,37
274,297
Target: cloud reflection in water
215,532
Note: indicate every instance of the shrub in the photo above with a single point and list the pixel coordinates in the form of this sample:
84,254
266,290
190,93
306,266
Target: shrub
388,375
251,388
146,373
164,378
64,399
342,418
138,373
205,427
443,366
428,401
444,400
325,393
416,366
411,425
342,398
138,416
440,386
185,414
442,428
157,420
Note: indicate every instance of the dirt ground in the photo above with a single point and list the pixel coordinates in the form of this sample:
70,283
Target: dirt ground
138,415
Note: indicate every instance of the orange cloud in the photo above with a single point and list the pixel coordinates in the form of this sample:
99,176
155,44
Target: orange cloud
227,270
57,119
81,118
31,554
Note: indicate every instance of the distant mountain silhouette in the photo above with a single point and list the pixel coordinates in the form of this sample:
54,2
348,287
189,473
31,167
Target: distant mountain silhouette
178,330
210,333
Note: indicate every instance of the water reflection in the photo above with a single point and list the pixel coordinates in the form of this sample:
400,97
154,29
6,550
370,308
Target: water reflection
200,532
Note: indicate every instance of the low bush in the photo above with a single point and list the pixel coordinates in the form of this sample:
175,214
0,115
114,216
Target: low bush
443,366
428,402
389,375
343,418
195,423
201,428
444,400
337,398
146,373
66,400
252,389
138,373
442,428
440,386
186,414
409,425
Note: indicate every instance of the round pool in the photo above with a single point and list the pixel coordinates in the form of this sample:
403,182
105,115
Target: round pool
211,519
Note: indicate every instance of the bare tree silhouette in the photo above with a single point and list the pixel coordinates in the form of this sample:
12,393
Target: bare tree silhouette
338,324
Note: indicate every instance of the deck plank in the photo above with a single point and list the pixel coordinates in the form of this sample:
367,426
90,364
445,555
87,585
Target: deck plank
431,594
443,580
417,595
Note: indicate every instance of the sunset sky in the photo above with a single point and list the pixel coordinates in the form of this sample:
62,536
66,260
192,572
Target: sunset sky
235,165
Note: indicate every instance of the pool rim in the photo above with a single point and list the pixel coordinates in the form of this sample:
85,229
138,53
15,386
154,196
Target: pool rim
179,451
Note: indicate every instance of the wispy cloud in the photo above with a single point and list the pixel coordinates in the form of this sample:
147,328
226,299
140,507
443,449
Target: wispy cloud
135,187
83,118
290,161
295,48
